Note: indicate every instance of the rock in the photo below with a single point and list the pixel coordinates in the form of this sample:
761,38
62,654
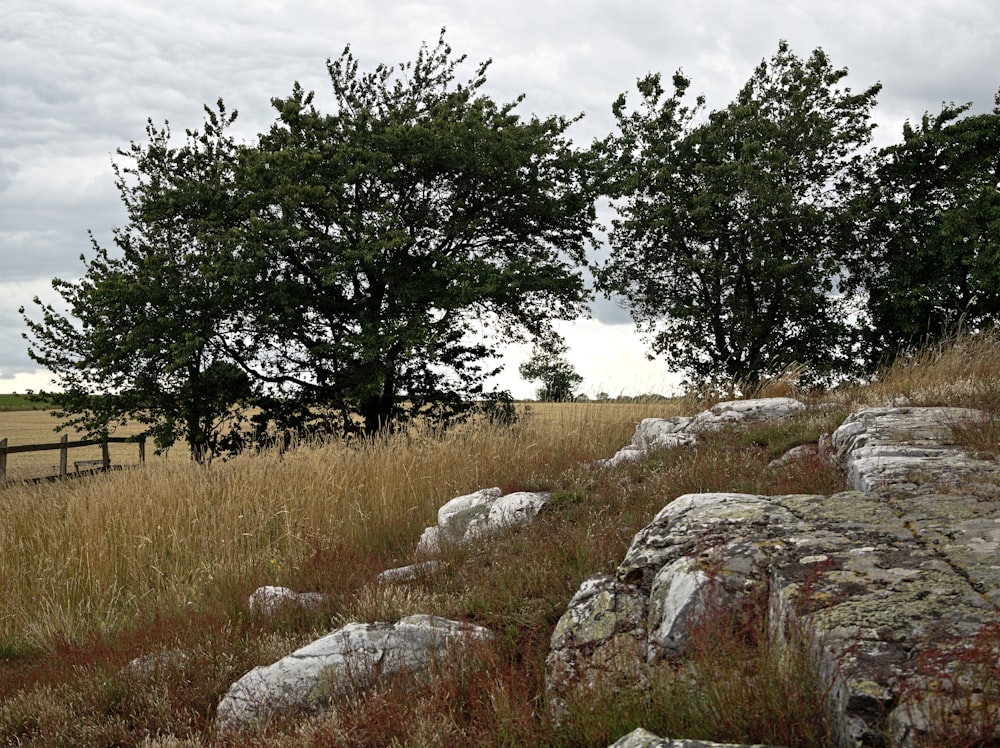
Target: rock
410,573
268,599
644,739
654,434
351,658
874,575
734,412
152,664
465,518
793,455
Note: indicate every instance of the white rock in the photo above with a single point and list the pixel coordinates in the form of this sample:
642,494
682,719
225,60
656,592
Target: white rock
678,593
352,657
409,573
269,599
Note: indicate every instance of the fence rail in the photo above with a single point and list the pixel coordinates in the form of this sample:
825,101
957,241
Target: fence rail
64,445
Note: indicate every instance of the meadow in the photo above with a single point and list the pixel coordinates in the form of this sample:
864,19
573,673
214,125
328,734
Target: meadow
163,556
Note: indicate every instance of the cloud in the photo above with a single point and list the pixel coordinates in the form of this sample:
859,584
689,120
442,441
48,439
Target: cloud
81,78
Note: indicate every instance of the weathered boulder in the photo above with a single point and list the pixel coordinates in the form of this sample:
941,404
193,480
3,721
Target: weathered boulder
411,573
875,575
644,739
351,658
465,518
270,599
654,434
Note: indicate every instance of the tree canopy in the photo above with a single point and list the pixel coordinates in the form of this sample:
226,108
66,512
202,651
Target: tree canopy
548,365
350,270
353,269
386,233
727,245
930,221
143,336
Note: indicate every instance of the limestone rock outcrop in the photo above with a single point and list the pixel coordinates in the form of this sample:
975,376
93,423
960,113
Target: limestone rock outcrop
665,433
352,657
876,574
270,599
465,518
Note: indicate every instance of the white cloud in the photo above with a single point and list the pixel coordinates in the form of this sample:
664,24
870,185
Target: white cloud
81,77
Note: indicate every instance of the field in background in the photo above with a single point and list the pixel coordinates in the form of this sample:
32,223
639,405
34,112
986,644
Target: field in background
24,422
19,402
21,427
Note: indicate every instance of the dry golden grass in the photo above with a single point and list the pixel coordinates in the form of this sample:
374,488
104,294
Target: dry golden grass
91,554
963,371
99,570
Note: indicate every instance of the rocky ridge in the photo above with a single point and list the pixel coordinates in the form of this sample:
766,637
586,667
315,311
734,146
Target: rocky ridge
903,561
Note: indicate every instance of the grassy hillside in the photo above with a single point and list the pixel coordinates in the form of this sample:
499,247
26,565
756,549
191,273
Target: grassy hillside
99,571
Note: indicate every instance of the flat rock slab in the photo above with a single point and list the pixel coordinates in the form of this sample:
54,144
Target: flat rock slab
654,434
644,739
351,658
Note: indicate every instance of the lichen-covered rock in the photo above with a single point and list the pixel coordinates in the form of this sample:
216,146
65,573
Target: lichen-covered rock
465,518
883,447
350,658
754,410
875,575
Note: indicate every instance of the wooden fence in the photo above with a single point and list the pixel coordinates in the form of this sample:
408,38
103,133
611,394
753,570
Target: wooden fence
64,445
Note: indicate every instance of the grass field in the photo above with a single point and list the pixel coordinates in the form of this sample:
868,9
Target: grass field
163,558
19,402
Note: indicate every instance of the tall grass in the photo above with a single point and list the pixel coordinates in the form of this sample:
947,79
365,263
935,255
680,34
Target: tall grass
162,559
86,555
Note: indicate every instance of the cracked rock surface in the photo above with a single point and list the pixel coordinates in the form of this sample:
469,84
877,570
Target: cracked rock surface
905,561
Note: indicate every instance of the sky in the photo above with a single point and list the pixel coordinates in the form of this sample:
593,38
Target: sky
80,78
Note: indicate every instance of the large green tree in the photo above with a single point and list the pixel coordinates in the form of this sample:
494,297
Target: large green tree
732,224
141,337
930,264
389,233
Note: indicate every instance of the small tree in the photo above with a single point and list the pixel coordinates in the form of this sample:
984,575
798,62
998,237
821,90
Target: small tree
548,365
143,337
727,247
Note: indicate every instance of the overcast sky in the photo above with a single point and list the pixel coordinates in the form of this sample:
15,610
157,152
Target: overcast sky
81,77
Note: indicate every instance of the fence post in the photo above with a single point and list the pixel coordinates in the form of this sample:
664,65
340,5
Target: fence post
142,449
105,455
3,458
63,451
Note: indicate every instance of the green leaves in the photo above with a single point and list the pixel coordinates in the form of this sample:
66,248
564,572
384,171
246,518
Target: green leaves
725,248
932,217
548,365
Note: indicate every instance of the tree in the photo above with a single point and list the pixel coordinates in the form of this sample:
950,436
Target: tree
931,264
385,234
731,226
142,340
548,364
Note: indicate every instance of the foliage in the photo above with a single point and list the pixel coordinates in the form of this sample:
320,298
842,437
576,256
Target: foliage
931,215
549,365
728,242
387,235
141,339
